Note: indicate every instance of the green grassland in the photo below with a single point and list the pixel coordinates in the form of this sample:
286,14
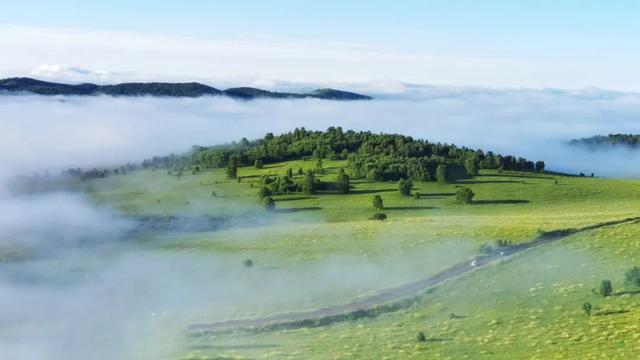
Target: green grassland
526,307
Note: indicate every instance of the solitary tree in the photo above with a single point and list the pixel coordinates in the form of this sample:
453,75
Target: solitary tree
416,195
606,289
377,202
441,173
540,166
471,166
300,171
464,195
290,173
264,192
404,186
319,169
269,204
258,164
308,183
342,182
232,170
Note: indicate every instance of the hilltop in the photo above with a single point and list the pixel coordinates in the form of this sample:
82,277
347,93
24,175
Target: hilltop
190,89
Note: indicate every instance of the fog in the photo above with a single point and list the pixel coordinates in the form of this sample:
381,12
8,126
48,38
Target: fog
80,288
53,132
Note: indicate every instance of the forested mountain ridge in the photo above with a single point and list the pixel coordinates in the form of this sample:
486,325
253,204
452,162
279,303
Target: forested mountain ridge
191,89
378,157
630,140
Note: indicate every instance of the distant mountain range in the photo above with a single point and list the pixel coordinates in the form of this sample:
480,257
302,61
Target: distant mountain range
191,89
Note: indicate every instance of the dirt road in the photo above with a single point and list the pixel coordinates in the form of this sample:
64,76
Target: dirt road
364,307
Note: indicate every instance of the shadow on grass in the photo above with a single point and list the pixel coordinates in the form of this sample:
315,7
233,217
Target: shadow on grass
611,312
627,292
494,202
427,195
296,210
371,191
518,176
410,207
233,347
295,198
475,182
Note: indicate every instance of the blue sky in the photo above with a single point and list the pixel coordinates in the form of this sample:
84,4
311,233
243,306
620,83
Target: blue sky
599,36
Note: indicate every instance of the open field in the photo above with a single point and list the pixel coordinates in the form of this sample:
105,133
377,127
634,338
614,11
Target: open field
528,306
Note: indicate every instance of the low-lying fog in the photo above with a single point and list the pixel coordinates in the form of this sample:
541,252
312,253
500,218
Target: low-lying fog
83,293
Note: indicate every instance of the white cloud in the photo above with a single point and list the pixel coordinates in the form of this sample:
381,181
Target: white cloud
263,61
70,73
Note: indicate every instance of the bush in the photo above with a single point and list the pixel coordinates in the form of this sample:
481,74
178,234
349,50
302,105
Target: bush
248,263
632,277
416,195
586,307
264,192
421,337
606,289
379,216
464,195
486,249
269,203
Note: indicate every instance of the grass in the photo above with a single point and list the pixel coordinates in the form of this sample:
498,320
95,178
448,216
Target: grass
527,307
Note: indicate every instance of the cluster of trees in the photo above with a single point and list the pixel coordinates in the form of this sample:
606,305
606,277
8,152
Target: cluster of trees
378,157
97,173
631,140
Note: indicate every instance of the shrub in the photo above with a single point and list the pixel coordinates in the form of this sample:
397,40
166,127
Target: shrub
606,289
464,195
248,263
586,307
269,203
632,277
379,216
486,249
377,202
264,192
416,195
421,337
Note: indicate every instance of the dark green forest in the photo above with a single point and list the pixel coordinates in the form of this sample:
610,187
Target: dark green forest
631,140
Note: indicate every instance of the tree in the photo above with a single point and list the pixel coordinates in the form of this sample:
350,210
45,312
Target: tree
342,182
379,216
421,337
464,195
269,203
416,195
404,186
290,173
258,164
606,289
540,166
248,263
471,166
441,174
632,277
309,183
232,170
377,202
300,171
319,169
586,307
264,192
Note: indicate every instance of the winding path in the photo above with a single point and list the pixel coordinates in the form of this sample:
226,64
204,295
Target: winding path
390,295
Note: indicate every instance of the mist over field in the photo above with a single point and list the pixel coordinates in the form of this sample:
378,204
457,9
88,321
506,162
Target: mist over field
81,277
87,131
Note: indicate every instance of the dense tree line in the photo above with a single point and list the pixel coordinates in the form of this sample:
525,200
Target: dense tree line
377,157
631,140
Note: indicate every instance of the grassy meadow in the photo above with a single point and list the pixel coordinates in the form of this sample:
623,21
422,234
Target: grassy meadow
528,306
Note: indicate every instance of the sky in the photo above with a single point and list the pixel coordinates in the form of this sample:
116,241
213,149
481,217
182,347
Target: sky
537,44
